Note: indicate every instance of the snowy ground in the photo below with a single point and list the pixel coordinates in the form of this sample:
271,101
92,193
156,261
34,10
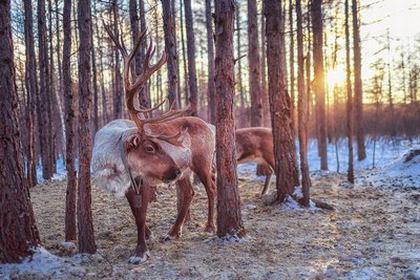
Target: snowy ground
374,232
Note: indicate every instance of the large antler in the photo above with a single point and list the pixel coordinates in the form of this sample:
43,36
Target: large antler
132,88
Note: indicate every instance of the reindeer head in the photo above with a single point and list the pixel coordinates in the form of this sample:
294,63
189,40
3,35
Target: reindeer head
147,154
150,157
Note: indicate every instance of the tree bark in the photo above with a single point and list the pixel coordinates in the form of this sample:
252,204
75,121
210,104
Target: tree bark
54,117
292,62
144,95
134,26
349,107
32,93
59,93
184,57
178,68
84,211
244,120
266,103
303,109
358,91
104,105
18,231
229,221
210,66
319,87
118,89
44,100
192,73
281,118
254,65
95,85
70,217
171,53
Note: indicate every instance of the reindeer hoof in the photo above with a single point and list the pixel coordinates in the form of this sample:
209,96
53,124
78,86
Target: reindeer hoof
168,238
139,258
210,228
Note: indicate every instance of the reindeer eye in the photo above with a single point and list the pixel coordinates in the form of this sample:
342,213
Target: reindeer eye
149,149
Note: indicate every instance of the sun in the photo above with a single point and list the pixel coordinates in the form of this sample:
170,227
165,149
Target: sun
335,76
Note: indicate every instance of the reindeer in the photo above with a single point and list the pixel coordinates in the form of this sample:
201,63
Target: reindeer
132,157
255,144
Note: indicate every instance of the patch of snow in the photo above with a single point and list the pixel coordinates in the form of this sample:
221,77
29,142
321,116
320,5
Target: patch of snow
229,239
365,273
398,173
292,205
247,171
42,263
298,192
61,171
68,247
389,163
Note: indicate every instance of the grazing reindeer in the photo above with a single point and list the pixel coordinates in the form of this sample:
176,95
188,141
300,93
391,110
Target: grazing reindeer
131,157
255,144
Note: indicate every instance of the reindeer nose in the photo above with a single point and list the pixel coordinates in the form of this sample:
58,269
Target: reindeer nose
173,174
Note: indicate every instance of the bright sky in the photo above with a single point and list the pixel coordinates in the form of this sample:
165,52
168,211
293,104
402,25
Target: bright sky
401,17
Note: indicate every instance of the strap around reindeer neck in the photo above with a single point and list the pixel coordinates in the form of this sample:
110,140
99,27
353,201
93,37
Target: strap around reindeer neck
123,153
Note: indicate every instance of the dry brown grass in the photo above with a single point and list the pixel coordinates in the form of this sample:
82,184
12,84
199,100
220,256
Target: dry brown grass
374,233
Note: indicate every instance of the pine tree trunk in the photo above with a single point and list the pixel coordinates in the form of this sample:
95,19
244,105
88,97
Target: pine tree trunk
280,107
134,27
254,65
210,67
104,105
319,87
192,73
118,89
229,221
18,231
32,92
349,107
266,103
95,85
44,100
144,95
59,93
358,91
184,56
54,117
178,68
244,118
303,110
84,211
292,62
158,83
308,60
171,53
70,218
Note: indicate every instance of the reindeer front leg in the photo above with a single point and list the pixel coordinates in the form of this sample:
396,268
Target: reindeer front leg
187,191
139,210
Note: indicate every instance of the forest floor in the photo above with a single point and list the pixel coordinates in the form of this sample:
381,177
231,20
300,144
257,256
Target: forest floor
373,233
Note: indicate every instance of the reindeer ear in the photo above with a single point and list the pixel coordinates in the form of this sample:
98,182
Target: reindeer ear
133,141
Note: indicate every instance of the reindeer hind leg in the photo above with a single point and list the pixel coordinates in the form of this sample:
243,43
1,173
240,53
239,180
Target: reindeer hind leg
208,179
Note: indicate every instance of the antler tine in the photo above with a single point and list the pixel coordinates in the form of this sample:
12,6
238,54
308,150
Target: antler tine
115,39
149,54
148,68
148,110
122,43
167,116
129,88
